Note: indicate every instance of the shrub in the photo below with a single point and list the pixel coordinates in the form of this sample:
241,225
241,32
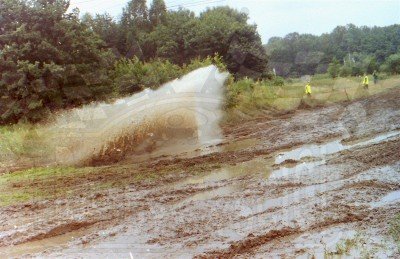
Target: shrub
132,75
392,64
334,68
278,81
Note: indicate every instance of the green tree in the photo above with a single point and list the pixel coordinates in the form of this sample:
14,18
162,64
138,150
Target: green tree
225,31
334,68
104,26
171,39
290,55
392,64
48,60
135,15
134,25
158,13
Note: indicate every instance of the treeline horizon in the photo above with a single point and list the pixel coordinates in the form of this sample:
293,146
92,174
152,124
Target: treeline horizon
358,49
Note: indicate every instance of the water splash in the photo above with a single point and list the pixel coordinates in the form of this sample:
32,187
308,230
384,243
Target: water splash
186,110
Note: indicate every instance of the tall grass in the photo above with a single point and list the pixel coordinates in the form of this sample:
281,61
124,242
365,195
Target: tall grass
251,97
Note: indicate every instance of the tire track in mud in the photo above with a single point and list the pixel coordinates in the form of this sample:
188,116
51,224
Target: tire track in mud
252,242
189,228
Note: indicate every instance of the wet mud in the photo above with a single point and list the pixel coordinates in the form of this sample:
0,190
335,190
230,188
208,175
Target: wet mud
294,185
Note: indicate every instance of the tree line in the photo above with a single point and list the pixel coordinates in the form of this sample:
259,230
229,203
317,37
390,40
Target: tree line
347,50
51,58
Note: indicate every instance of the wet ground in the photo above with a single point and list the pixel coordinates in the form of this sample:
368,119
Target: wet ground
310,184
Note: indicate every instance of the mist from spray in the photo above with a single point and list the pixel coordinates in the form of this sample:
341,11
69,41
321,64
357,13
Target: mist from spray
183,113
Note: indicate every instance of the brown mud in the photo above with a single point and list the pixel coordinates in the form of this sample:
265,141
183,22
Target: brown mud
292,185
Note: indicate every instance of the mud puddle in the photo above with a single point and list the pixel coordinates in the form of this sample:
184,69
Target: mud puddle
256,166
218,146
39,246
292,198
239,145
190,148
297,170
221,179
390,198
329,148
209,195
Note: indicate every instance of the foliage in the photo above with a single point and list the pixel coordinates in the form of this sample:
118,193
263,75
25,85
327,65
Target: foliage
249,97
301,54
334,68
133,75
157,13
48,60
181,36
392,64
104,26
225,31
278,81
395,230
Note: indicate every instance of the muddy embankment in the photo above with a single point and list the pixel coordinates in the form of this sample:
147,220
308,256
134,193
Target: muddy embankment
316,182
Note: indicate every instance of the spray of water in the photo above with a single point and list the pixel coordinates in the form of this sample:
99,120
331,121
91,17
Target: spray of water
184,113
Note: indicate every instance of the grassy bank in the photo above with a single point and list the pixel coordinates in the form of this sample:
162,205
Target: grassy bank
254,97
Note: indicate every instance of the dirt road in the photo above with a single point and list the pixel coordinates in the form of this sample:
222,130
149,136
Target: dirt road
322,182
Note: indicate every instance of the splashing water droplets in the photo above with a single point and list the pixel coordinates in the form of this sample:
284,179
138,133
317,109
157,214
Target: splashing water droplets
186,110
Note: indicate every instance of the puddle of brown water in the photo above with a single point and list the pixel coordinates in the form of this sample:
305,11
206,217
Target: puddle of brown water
186,149
390,198
34,247
330,148
297,170
256,166
240,145
292,198
208,195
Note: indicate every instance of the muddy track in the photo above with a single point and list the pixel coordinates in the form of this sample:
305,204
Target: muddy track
246,198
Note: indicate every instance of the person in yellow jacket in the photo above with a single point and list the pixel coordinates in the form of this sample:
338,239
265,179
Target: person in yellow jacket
308,88
365,81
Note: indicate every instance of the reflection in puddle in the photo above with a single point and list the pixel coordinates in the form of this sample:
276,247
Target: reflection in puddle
292,198
310,151
392,197
295,171
256,166
329,148
34,247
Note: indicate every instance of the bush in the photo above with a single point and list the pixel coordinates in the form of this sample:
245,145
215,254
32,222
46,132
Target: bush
133,75
278,81
334,68
208,61
392,64
345,71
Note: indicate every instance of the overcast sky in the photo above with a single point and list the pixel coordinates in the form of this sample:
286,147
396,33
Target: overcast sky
280,17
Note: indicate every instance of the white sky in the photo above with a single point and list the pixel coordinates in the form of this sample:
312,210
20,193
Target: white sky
278,18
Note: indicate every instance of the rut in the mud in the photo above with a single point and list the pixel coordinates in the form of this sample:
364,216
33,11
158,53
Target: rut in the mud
249,196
